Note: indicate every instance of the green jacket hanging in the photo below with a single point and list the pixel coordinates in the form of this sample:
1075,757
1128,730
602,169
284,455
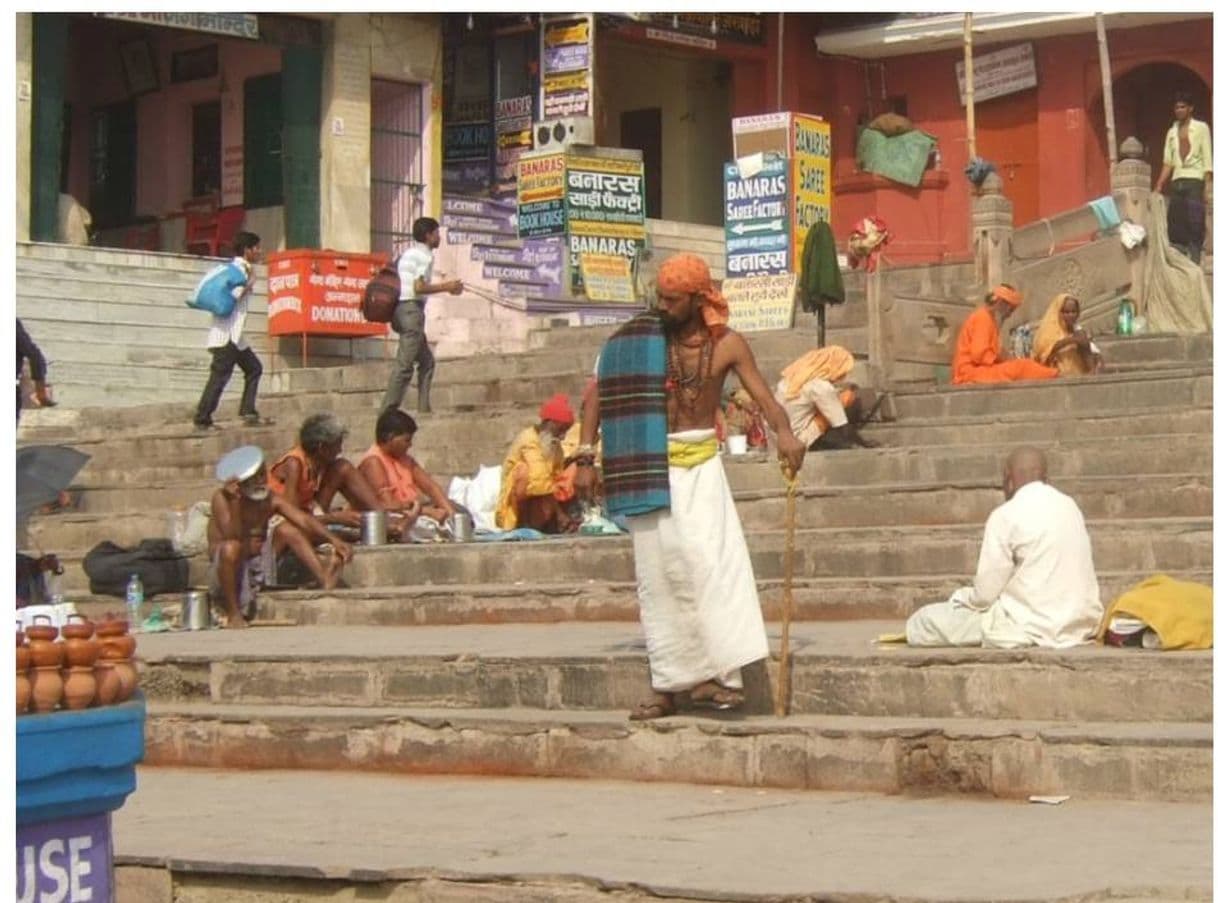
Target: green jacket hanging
820,280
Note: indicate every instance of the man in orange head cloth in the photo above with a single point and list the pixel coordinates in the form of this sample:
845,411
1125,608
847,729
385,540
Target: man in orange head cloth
659,381
533,489
978,357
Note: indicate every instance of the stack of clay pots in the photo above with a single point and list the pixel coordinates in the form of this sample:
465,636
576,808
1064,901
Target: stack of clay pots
81,671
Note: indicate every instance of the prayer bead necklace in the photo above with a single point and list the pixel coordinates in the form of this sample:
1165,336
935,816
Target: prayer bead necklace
688,388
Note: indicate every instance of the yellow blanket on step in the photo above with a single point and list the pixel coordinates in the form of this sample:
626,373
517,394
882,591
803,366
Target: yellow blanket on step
1181,613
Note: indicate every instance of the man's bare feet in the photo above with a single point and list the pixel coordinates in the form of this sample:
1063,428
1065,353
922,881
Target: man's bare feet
660,705
333,570
236,622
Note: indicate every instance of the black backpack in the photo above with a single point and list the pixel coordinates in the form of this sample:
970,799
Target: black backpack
381,294
161,569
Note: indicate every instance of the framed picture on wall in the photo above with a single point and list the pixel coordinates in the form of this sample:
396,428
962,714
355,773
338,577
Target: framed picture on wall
192,65
139,67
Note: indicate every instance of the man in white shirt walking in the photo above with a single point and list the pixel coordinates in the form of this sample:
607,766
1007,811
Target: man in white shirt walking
228,347
409,321
1035,583
1188,165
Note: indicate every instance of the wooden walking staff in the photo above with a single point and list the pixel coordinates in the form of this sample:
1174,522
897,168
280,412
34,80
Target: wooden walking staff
782,702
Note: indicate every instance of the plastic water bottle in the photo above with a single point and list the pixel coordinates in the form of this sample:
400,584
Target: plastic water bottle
1125,317
135,601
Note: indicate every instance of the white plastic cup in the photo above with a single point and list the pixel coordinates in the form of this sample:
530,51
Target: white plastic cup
737,445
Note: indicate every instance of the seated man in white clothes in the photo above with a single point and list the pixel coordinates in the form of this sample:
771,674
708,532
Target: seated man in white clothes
1035,583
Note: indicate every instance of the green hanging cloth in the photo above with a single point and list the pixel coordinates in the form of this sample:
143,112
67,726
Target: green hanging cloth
820,279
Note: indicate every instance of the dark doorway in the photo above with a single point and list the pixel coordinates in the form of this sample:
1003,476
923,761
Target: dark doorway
1142,101
641,130
205,149
112,148
263,116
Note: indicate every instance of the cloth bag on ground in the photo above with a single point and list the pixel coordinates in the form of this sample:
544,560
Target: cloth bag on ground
160,568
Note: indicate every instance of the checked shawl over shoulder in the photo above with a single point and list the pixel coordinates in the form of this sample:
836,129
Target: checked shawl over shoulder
634,417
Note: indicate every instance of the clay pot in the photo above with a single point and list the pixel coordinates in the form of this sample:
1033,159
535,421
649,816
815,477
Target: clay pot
129,679
23,659
123,645
79,688
46,688
80,650
111,626
109,684
24,691
78,627
44,651
41,631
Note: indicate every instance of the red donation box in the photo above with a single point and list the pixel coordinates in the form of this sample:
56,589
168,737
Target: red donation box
319,293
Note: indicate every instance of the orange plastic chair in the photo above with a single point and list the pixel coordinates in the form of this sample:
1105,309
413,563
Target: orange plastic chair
208,234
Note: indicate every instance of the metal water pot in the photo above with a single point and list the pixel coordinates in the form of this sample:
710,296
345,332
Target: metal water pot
463,527
196,611
373,528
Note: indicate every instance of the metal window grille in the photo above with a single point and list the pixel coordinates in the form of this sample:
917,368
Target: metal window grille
397,163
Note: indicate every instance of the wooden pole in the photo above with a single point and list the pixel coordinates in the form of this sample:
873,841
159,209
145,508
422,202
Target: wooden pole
970,120
782,703
1106,78
781,41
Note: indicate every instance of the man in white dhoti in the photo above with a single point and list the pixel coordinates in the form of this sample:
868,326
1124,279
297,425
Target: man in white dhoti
659,381
1035,583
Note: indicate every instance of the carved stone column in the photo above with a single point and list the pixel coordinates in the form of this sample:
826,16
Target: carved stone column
993,223
1131,190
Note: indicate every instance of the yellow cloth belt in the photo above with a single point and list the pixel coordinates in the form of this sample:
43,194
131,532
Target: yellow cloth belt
691,454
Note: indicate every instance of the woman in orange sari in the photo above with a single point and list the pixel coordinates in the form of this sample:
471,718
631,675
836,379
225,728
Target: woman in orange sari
1060,343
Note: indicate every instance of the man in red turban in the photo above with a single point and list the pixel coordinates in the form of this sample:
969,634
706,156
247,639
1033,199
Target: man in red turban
978,357
533,489
697,593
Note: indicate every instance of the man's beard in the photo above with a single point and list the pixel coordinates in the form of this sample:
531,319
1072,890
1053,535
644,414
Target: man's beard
256,495
549,442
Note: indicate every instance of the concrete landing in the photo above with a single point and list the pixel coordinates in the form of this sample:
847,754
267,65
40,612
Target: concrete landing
533,840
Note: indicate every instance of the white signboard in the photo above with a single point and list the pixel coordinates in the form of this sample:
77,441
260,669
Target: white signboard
997,74
760,302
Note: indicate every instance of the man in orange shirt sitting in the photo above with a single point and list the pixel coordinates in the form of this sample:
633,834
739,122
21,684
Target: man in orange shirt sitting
978,357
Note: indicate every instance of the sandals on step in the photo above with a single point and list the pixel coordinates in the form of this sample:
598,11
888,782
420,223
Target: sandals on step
716,696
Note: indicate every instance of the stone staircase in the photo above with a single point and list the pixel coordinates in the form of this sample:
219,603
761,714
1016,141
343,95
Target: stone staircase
519,660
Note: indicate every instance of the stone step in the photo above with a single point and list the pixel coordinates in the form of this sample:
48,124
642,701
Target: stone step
1021,427
1063,397
899,504
1147,545
836,670
815,599
1002,758
273,836
935,464
52,257
122,312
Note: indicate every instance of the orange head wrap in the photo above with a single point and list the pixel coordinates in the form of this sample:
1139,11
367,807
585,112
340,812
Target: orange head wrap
557,409
687,272
1008,294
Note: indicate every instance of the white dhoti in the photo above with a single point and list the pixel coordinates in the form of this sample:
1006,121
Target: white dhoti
815,396
956,623
697,596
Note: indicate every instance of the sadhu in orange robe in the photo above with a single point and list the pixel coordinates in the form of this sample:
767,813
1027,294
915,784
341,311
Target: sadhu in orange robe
978,357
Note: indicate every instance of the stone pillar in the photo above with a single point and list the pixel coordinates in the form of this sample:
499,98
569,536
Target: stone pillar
1131,187
346,135
993,224
878,329
25,121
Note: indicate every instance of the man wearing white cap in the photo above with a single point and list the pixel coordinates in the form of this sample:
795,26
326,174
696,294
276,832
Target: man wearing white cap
244,515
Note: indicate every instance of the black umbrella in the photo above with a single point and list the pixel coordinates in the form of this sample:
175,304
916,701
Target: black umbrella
44,471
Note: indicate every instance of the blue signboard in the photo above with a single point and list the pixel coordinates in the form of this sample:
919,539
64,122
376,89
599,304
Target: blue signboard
757,218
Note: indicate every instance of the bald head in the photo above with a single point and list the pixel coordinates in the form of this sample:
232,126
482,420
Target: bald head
1024,465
